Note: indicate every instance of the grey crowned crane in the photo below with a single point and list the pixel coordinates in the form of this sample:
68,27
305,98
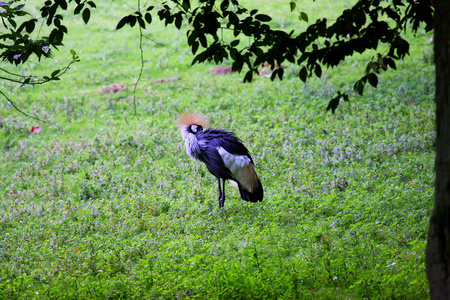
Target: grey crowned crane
223,154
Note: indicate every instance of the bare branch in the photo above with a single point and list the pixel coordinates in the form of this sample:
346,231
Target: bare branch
142,65
37,82
18,109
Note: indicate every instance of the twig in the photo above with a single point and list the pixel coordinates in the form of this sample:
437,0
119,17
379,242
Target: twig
142,66
64,70
10,73
20,111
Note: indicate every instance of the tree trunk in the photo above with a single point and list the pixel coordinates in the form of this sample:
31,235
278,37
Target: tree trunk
438,246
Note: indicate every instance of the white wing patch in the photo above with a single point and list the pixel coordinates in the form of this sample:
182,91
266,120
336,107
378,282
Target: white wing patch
241,167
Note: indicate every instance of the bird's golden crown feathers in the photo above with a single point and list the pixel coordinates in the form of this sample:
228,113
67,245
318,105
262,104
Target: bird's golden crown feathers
192,118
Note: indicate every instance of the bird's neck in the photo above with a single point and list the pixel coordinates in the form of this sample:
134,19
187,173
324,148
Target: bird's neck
192,146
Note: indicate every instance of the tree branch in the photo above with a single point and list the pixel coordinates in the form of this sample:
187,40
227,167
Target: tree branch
18,109
37,82
142,64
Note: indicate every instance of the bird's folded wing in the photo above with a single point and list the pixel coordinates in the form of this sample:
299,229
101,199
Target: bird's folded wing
241,166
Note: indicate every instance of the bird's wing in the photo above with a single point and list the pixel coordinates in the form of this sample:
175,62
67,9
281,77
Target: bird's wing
241,167
230,142
234,155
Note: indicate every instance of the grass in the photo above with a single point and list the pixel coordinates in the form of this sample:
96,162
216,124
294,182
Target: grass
104,204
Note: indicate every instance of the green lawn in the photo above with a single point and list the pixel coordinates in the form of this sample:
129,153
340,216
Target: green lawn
103,203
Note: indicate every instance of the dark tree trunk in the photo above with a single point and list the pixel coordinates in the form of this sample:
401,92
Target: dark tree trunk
438,246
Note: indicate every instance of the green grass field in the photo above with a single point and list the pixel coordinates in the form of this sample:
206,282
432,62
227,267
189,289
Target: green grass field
106,204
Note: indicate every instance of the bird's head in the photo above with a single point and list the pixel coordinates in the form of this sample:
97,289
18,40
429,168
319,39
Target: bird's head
194,128
191,123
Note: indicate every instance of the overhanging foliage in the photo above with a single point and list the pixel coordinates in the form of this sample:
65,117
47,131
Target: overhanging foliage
368,25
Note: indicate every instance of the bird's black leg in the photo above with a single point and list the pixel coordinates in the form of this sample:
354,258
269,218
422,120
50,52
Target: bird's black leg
220,192
222,201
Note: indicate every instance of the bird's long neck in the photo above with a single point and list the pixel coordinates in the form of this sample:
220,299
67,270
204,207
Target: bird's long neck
192,146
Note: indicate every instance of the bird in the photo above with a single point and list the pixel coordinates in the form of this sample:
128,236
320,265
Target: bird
224,155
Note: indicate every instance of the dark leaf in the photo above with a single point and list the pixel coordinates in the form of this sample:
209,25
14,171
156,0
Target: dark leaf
359,86
398,3
30,26
373,79
248,76
203,40
178,21
242,10
78,9
169,19
86,15
392,14
13,23
360,19
334,103
192,36
263,18
218,57
186,4
402,46
390,62
59,37
194,46
57,22
303,74
234,54
302,58
21,13
280,73
318,70
273,75
54,73
290,57
234,43
199,58
304,16
223,52
132,20
369,66
237,64
148,18
63,4
292,6
233,19
122,22
224,5
141,22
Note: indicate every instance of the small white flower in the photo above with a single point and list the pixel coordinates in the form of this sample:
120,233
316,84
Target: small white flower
391,265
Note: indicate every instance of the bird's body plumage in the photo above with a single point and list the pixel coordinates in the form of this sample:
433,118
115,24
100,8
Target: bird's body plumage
223,154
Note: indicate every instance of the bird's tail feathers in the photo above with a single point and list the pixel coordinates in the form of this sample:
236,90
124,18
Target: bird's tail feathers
255,196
